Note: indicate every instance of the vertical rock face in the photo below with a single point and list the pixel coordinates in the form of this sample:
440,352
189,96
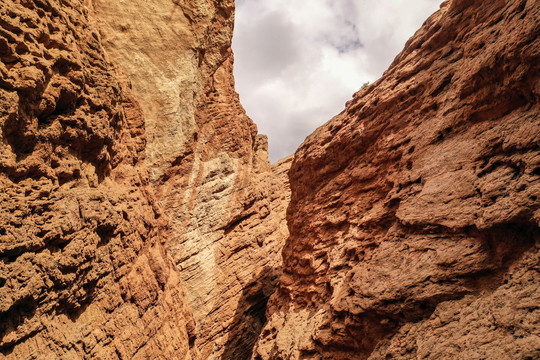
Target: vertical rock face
167,49
83,268
415,215
209,168
130,172
227,210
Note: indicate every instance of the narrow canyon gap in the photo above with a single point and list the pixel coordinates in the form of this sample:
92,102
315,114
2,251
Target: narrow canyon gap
140,217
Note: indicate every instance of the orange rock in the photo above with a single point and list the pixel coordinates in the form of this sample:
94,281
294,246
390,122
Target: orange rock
209,168
140,217
415,216
125,151
83,271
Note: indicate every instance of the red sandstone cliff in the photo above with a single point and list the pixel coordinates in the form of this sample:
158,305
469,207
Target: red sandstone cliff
414,217
83,268
125,152
140,218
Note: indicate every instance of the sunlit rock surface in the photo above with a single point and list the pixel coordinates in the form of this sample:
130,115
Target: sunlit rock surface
140,217
209,168
83,267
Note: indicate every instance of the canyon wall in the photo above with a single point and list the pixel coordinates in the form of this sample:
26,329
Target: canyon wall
140,217
84,271
414,216
143,219
209,168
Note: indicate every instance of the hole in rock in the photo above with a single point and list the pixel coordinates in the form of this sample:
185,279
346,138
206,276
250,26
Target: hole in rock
250,315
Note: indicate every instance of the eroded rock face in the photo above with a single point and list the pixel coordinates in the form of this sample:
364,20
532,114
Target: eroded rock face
131,173
228,221
140,217
83,268
168,49
415,215
209,168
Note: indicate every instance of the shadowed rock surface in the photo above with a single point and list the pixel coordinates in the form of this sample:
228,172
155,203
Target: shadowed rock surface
414,215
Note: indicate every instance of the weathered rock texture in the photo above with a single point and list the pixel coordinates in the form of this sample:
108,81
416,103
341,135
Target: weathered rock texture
122,137
83,268
209,168
415,216
227,217
140,217
168,49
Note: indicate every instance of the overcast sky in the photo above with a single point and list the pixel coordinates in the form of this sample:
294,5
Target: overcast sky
298,61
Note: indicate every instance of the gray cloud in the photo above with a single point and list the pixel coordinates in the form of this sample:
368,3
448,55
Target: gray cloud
298,62
266,47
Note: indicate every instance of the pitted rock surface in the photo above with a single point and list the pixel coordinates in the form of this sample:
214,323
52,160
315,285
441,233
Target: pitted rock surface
140,217
83,267
125,152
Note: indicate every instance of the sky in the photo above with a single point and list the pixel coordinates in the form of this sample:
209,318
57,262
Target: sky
298,61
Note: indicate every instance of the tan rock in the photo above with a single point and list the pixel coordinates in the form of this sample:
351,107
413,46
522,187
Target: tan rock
210,169
142,219
228,218
112,111
414,215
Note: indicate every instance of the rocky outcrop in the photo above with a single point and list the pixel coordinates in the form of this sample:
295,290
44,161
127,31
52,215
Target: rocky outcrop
83,268
130,172
140,217
168,51
414,217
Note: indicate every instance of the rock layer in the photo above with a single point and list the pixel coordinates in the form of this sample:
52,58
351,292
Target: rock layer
209,168
228,221
414,216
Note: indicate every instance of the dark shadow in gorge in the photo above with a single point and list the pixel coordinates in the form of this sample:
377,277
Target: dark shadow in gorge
250,315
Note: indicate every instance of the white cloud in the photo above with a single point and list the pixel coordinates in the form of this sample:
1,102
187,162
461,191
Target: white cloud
298,62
